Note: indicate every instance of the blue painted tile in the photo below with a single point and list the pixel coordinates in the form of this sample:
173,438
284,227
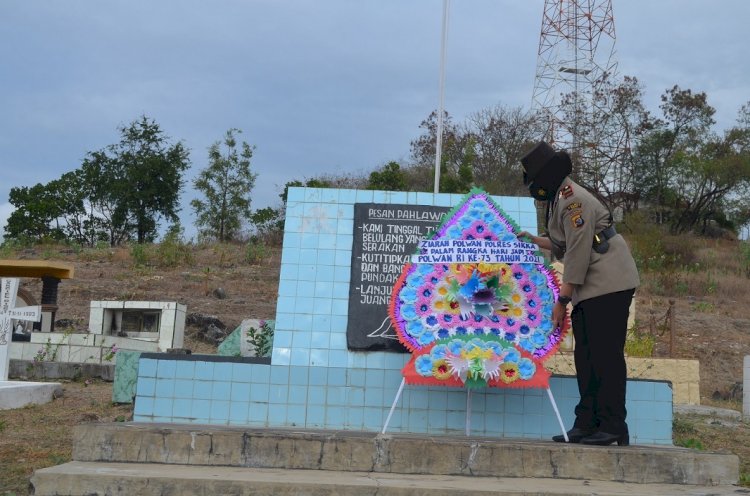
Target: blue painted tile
219,411
276,414
300,357
278,394
309,242
375,360
337,376
326,257
201,409
417,421
184,370
316,416
303,304
288,273
337,396
374,397
239,412
342,275
357,360
335,417
204,371
338,326
355,419
181,408
202,390
300,340
532,404
144,405
340,306
303,322
295,415
373,418
319,339
146,386
293,224
514,404
364,196
374,378
259,393
297,395
282,339
316,395
321,331
532,425
307,272
165,369
418,398
493,423
241,372
347,195
321,306
357,397
295,194
223,371
355,377
456,421
526,218
662,392
163,407
281,356
319,357
437,420
290,255
260,373
240,391
279,375
317,376
258,413
164,388
298,375
147,367
513,425
291,240
438,400
305,289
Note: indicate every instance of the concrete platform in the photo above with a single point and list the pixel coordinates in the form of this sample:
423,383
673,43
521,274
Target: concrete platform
17,394
119,479
144,459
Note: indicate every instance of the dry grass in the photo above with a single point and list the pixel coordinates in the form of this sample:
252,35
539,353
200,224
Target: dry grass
39,436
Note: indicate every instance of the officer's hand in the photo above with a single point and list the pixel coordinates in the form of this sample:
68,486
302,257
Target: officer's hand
559,312
528,236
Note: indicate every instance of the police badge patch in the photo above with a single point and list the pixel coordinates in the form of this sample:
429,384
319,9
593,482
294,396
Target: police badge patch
577,220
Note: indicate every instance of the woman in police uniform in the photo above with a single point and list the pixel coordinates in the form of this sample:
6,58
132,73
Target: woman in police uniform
599,280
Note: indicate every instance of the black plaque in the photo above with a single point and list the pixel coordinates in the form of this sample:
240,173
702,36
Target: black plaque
385,237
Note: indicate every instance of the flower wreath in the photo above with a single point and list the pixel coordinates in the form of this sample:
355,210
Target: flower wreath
480,323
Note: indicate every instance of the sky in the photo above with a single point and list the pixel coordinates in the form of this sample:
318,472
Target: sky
317,86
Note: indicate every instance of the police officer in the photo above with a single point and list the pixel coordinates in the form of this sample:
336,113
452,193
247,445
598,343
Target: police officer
599,280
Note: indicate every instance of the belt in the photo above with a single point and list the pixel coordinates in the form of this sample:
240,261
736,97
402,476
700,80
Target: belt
601,245
605,234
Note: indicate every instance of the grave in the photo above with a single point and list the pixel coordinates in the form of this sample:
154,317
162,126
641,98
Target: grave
159,322
15,394
322,399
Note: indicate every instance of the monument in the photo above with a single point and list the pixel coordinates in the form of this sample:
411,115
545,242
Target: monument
15,394
317,404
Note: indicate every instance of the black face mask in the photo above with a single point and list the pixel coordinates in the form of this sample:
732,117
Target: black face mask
539,192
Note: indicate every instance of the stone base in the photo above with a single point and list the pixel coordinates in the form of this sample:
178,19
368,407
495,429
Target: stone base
19,394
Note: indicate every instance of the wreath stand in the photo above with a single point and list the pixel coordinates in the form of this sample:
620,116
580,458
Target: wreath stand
468,409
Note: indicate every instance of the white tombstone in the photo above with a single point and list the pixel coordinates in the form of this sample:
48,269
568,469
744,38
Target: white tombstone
8,313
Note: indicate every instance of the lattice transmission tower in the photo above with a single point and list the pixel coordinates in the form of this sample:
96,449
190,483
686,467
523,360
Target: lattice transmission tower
576,57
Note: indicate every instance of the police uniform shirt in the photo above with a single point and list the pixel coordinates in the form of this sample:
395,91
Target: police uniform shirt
576,217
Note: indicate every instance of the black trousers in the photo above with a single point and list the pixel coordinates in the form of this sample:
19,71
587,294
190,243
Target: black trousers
600,325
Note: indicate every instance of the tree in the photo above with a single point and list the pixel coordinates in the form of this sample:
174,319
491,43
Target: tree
389,178
421,172
35,210
135,182
501,136
226,183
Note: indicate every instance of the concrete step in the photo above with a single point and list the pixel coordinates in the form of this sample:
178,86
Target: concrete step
371,453
119,479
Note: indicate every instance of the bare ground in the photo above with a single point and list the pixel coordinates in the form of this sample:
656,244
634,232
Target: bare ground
712,327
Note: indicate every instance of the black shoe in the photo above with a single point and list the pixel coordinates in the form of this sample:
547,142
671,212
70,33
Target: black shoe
604,439
574,435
